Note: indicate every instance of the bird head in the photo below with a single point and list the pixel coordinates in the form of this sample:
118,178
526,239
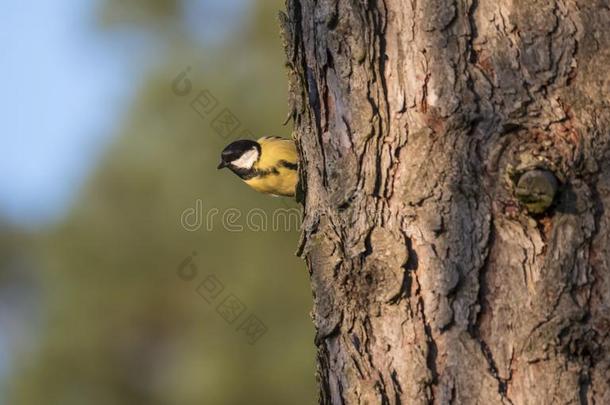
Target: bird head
240,155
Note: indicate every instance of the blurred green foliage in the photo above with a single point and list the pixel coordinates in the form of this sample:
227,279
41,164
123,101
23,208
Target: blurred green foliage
118,326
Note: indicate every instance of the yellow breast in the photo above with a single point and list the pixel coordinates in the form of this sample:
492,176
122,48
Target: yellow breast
276,155
283,183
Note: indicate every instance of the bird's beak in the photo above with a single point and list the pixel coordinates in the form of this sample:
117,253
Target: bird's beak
221,165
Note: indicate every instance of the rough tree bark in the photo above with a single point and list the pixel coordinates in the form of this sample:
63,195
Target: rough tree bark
433,135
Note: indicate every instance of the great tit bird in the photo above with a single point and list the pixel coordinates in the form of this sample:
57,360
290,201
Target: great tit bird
268,165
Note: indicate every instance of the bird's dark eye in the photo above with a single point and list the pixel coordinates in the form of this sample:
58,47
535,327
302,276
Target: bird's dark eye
230,155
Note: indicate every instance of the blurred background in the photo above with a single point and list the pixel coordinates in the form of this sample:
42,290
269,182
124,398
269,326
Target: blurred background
118,284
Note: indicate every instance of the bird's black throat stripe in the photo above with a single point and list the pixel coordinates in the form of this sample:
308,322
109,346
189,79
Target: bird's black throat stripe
288,165
247,174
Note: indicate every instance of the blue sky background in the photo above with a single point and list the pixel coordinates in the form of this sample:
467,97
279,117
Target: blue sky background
65,87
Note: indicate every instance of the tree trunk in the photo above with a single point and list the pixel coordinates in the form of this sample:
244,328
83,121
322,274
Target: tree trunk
433,136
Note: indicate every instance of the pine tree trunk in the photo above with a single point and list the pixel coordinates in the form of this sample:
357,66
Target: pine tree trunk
456,174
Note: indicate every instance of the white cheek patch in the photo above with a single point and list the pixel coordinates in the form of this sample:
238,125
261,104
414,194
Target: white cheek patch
247,160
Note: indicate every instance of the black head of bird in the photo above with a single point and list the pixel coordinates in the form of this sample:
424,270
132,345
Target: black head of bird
240,155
